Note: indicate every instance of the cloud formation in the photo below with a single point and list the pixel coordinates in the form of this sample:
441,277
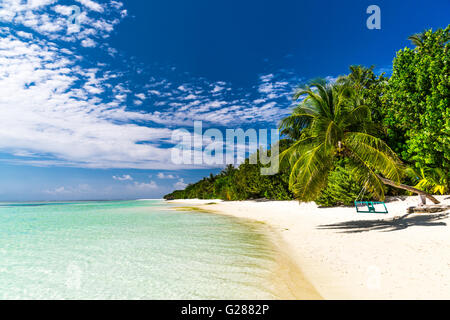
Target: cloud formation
161,175
68,23
125,177
180,185
143,186
56,111
60,108
219,103
78,190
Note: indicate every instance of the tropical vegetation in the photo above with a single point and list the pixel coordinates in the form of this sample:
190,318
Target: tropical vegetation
416,101
363,131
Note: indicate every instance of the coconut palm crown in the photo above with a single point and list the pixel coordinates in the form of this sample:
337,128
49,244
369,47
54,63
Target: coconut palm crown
329,123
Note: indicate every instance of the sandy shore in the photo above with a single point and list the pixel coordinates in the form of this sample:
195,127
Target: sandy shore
349,255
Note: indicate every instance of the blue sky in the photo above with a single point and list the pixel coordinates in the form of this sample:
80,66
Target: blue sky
88,108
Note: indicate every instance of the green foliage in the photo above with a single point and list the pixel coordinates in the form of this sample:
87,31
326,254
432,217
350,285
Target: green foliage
242,183
417,39
342,188
432,180
335,124
369,90
345,135
416,102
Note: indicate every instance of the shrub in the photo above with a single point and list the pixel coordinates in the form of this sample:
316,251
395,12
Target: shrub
342,189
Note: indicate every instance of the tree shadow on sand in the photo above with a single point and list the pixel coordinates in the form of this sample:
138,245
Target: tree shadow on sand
388,225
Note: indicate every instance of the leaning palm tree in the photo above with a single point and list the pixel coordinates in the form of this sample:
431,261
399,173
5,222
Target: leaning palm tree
333,124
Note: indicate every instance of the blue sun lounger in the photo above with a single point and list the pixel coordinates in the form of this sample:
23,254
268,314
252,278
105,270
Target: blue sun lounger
370,207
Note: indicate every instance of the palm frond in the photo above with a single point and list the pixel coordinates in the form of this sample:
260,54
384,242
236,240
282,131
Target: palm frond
358,115
332,121
294,124
434,180
366,177
295,151
376,154
416,39
301,92
310,172
325,93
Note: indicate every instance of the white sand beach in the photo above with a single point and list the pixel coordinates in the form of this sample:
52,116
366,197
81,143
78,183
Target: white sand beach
349,255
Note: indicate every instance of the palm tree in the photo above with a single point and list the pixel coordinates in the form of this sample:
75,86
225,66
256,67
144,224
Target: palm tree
211,178
434,180
417,39
359,77
331,123
228,170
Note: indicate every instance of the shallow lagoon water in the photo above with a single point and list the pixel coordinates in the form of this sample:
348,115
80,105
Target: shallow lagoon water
130,250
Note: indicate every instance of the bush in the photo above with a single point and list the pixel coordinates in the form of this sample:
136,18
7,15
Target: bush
342,189
416,102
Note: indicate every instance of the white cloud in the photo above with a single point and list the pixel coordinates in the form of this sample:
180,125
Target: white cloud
154,92
125,177
258,101
218,103
190,97
59,190
217,89
116,4
92,5
24,34
56,21
266,77
143,186
88,43
56,108
161,175
50,114
179,185
80,189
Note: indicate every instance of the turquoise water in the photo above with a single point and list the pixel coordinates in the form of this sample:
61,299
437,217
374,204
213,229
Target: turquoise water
129,250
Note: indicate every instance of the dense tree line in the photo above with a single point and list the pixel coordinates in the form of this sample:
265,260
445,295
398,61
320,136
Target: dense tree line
363,132
241,183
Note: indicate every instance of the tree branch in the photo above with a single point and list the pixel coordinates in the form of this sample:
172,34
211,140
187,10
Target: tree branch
408,188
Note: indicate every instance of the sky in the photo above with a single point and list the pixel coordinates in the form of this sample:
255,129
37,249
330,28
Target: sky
91,91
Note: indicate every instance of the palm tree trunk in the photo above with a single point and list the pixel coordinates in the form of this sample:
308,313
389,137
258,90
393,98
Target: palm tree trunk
408,188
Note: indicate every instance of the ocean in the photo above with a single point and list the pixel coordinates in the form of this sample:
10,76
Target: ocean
130,250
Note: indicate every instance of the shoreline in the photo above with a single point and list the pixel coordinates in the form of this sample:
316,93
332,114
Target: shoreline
349,255
287,280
